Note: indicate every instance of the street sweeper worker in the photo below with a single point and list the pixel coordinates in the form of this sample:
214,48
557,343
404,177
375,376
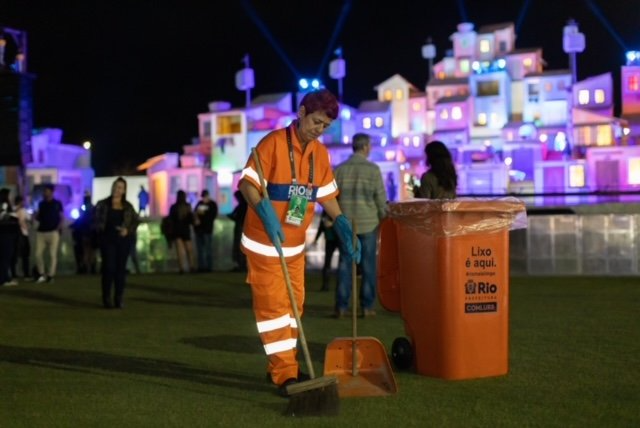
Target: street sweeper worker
297,174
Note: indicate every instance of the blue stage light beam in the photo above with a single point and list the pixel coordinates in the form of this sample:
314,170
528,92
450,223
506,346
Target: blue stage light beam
596,11
523,11
265,31
334,36
463,11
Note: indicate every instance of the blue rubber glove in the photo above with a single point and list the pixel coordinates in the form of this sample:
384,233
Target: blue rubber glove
271,223
343,229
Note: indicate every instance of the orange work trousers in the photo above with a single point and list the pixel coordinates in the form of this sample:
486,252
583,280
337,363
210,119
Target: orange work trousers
272,308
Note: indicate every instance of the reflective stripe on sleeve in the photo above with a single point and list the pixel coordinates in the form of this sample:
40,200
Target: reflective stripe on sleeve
251,173
327,189
274,324
269,250
280,346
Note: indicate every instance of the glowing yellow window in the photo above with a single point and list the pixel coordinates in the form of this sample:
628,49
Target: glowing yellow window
379,122
482,119
456,113
388,95
399,94
416,106
583,97
634,171
527,62
494,118
366,123
576,175
485,46
598,96
603,135
444,114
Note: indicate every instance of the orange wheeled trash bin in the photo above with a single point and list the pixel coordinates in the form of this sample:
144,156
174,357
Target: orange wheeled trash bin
444,265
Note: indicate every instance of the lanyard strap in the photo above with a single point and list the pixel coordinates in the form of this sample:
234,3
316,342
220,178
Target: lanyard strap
293,164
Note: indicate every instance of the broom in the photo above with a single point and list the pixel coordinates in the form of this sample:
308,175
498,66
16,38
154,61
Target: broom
316,396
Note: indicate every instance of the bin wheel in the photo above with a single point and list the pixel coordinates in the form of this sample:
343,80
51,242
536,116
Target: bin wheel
402,353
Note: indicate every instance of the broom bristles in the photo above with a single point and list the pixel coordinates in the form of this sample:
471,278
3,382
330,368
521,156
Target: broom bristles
315,397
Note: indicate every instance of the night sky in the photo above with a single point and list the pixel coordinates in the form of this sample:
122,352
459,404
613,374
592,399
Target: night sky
131,76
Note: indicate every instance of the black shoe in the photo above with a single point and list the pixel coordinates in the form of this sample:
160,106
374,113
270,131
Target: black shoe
119,305
282,389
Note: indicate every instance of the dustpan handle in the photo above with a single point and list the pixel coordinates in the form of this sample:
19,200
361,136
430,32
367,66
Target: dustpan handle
354,300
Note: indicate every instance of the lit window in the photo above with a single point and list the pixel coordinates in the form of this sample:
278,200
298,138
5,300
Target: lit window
379,122
561,85
456,113
576,175
388,95
634,171
416,141
633,83
441,75
399,94
510,136
444,114
548,87
447,93
527,62
482,119
416,106
366,123
405,141
598,96
464,66
494,118
485,46
604,135
543,138
583,96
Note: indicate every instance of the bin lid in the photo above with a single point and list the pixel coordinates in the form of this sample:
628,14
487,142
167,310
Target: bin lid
451,217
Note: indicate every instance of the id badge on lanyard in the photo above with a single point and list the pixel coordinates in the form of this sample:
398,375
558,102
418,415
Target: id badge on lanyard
299,195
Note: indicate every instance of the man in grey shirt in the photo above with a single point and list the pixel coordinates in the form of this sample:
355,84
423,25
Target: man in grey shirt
362,199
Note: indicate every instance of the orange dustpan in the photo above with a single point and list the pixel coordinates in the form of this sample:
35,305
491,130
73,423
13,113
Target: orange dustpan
360,364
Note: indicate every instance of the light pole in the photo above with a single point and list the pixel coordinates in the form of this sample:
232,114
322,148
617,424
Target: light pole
245,80
573,42
429,53
337,70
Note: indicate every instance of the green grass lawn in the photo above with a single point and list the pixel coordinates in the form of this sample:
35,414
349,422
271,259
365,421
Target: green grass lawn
184,353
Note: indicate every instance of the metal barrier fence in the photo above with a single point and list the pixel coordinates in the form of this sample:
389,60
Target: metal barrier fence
578,244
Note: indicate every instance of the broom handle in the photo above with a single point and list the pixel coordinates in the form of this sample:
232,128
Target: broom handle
287,280
354,300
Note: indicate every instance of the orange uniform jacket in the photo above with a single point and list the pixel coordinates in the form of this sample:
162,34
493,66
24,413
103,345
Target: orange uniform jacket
273,152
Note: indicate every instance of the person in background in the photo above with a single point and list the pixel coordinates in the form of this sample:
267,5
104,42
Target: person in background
331,244
83,238
9,230
295,165
115,222
237,216
206,212
143,202
23,247
363,199
50,220
182,219
133,252
440,180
